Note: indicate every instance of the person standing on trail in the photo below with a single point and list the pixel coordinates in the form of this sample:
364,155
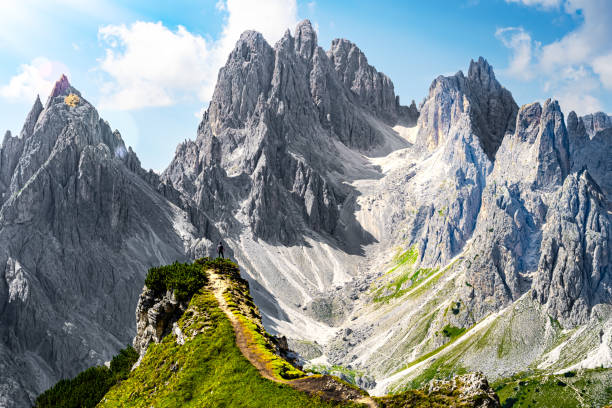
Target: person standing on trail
220,250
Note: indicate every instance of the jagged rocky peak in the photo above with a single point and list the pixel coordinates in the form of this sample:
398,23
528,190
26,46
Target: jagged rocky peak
245,76
529,165
482,72
590,148
305,39
491,108
62,87
553,154
596,121
32,118
372,88
69,183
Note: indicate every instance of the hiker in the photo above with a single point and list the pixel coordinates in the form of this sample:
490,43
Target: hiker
220,250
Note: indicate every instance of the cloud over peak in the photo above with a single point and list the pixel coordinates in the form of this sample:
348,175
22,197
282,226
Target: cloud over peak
149,64
576,66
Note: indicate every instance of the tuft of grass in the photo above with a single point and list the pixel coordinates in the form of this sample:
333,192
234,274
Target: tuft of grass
348,373
452,331
408,257
398,287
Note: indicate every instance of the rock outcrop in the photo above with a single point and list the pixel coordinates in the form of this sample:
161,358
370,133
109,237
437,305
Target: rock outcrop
155,317
473,390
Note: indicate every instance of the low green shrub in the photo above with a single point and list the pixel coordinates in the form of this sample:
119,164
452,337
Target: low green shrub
184,278
87,389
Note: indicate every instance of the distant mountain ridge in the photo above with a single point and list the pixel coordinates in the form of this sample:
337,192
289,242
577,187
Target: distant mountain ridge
372,235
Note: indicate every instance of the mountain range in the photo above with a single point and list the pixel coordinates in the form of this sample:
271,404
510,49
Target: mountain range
401,243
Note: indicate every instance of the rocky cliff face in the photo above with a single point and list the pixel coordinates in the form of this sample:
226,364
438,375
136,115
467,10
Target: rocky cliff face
78,229
156,317
538,221
596,122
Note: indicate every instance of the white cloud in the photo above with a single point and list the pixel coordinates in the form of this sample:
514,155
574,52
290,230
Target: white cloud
523,48
576,66
152,65
35,78
312,6
603,67
545,4
580,103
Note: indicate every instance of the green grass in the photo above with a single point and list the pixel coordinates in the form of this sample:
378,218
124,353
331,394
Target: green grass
452,331
88,388
592,388
207,371
408,257
242,306
325,369
398,287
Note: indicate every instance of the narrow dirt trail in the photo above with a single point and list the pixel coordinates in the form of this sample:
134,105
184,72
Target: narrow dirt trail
219,285
311,385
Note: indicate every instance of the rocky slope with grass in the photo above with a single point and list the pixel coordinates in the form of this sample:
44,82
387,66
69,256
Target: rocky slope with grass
217,349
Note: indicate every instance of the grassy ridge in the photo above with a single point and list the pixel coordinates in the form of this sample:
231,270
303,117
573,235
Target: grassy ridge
208,370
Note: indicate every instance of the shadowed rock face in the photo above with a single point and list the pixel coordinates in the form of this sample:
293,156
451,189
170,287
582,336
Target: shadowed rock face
491,108
592,150
595,122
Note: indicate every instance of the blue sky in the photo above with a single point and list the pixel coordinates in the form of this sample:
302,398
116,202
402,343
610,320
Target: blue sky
150,67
